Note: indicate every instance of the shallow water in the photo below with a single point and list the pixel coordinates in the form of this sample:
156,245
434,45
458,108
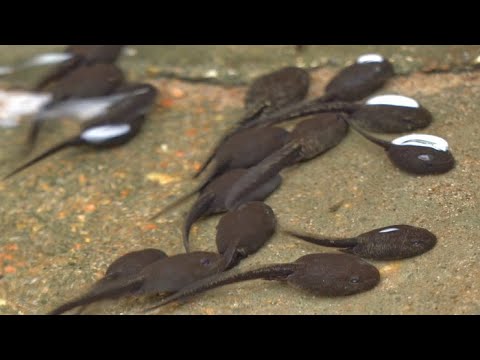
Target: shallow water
68,217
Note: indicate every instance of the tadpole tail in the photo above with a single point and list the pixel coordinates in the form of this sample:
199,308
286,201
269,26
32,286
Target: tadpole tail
33,134
178,201
270,272
55,149
35,127
254,114
199,209
261,173
239,127
230,255
305,108
328,97
217,170
206,163
174,204
113,291
328,242
382,143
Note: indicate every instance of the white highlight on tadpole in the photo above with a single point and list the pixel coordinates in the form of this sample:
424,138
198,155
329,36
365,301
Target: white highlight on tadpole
5,70
16,104
389,230
106,132
370,58
83,109
430,141
140,91
47,59
395,100
39,60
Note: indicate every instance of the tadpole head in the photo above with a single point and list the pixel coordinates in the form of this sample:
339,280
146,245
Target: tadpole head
208,260
357,81
250,146
173,273
279,88
421,154
419,243
333,274
133,262
245,230
391,114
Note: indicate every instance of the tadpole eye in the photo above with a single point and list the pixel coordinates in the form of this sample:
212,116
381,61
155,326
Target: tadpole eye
354,280
425,157
205,261
416,242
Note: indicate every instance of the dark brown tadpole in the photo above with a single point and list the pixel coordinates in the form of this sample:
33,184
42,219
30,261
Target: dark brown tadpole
309,139
277,89
391,114
121,123
355,82
267,94
319,134
163,276
131,263
84,82
384,113
416,153
127,266
321,274
81,55
394,242
245,149
212,199
243,231
87,81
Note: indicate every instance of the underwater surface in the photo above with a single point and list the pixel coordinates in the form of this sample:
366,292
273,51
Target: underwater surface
67,218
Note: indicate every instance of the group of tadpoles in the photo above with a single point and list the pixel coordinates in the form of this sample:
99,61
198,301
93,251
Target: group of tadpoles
117,108
245,169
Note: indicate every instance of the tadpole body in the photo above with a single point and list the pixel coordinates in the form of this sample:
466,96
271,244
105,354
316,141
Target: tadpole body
277,89
131,263
391,114
245,230
394,242
81,55
328,275
359,80
87,81
163,276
